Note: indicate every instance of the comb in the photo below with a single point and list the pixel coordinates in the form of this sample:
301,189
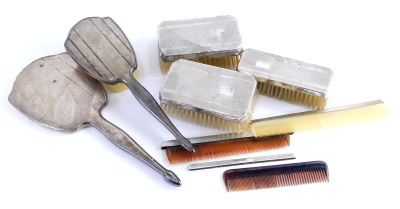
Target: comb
240,161
267,129
210,147
211,40
209,96
287,79
319,119
276,176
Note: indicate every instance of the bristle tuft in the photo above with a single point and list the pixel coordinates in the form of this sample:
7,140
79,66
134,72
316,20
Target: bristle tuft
226,148
164,66
119,87
213,122
206,120
276,176
293,96
230,63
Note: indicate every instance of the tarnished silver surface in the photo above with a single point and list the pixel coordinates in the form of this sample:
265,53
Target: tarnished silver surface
240,161
199,38
208,139
209,90
54,92
332,109
102,49
286,72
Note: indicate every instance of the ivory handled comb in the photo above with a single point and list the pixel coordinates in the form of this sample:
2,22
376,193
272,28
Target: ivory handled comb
319,119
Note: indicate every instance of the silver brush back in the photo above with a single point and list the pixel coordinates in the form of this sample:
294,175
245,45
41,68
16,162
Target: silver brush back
199,38
209,90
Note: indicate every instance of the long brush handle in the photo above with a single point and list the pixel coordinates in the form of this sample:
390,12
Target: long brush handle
319,119
151,105
125,142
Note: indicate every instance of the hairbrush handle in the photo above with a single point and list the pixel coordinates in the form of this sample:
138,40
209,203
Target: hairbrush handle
151,105
125,142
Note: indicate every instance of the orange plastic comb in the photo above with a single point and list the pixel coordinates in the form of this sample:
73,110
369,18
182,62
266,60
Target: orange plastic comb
224,145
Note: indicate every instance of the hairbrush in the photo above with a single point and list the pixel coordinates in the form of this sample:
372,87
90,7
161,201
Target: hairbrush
287,79
210,40
276,176
209,95
101,48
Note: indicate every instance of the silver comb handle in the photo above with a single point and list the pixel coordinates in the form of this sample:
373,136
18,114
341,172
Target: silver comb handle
241,161
151,105
125,142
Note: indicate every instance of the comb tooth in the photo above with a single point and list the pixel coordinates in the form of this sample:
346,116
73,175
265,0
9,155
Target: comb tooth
240,184
226,148
265,182
277,175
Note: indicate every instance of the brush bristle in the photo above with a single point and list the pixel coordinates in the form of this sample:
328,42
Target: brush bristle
230,62
210,121
292,96
226,148
206,120
275,176
314,120
119,87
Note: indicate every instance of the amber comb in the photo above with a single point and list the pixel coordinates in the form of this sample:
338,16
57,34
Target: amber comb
276,176
216,146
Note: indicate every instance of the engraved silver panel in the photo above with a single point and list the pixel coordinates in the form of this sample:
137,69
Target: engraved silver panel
286,72
54,92
209,90
199,38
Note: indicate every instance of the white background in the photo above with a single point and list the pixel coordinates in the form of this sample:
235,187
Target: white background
358,40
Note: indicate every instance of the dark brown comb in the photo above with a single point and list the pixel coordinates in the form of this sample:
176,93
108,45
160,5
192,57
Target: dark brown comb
276,176
215,149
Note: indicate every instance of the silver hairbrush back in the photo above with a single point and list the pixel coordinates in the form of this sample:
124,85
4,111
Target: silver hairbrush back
102,49
210,40
209,95
287,79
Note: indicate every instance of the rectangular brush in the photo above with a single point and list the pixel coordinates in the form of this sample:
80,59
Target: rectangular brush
211,40
210,147
287,79
209,96
276,176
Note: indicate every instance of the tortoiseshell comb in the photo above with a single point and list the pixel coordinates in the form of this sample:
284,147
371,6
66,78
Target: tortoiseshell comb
210,147
276,176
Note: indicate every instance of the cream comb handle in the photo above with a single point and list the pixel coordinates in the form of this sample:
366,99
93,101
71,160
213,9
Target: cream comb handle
319,119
